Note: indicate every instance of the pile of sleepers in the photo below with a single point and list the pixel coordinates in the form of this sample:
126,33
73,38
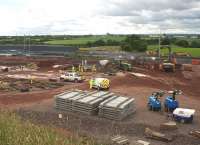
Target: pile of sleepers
63,101
117,107
88,104
81,101
105,104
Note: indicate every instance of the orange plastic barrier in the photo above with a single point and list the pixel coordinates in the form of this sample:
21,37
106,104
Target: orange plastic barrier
196,61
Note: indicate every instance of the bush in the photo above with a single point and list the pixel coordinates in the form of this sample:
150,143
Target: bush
182,43
165,41
134,43
195,44
126,47
99,42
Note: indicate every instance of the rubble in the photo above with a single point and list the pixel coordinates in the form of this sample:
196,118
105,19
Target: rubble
53,79
195,133
4,85
26,85
141,142
168,126
157,135
187,67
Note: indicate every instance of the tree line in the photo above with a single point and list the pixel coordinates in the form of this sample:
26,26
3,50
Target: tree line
130,43
186,43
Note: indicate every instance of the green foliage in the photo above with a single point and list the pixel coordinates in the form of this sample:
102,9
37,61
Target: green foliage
195,44
126,47
134,43
124,41
183,43
15,132
102,42
99,42
165,41
152,41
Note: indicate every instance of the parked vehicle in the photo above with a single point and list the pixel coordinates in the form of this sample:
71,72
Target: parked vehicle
72,77
183,115
99,83
125,66
168,66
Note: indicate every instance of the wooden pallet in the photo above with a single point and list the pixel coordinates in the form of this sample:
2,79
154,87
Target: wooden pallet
157,135
119,140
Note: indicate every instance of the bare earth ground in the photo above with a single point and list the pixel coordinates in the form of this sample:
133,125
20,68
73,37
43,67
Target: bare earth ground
38,106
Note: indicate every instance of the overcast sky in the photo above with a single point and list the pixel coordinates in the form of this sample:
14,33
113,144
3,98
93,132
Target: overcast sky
19,17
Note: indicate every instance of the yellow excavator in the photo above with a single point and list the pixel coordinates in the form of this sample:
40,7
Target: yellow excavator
168,65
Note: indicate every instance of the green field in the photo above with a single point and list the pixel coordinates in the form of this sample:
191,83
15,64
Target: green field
195,52
102,48
82,41
13,131
85,40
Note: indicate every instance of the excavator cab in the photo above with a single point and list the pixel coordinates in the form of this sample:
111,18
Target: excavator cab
168,66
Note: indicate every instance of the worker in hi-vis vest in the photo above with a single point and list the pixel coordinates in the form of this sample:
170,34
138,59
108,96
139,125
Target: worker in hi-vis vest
91,82
73,69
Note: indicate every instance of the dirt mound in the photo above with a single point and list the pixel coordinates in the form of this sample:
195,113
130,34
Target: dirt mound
130,80
43,62
17,85
161,81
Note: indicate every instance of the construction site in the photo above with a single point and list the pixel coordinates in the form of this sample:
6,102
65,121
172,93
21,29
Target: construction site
116,101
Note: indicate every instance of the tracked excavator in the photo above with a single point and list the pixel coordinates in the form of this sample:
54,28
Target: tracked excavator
168,65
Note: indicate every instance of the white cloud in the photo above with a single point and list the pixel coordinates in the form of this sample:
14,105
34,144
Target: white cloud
97,16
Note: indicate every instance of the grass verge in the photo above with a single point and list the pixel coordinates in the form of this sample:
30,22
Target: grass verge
14,131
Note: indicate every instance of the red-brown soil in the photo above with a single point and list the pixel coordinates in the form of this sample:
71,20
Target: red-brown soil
38,105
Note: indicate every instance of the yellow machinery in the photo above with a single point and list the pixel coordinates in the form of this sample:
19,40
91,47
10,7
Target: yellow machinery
167,66
82,68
